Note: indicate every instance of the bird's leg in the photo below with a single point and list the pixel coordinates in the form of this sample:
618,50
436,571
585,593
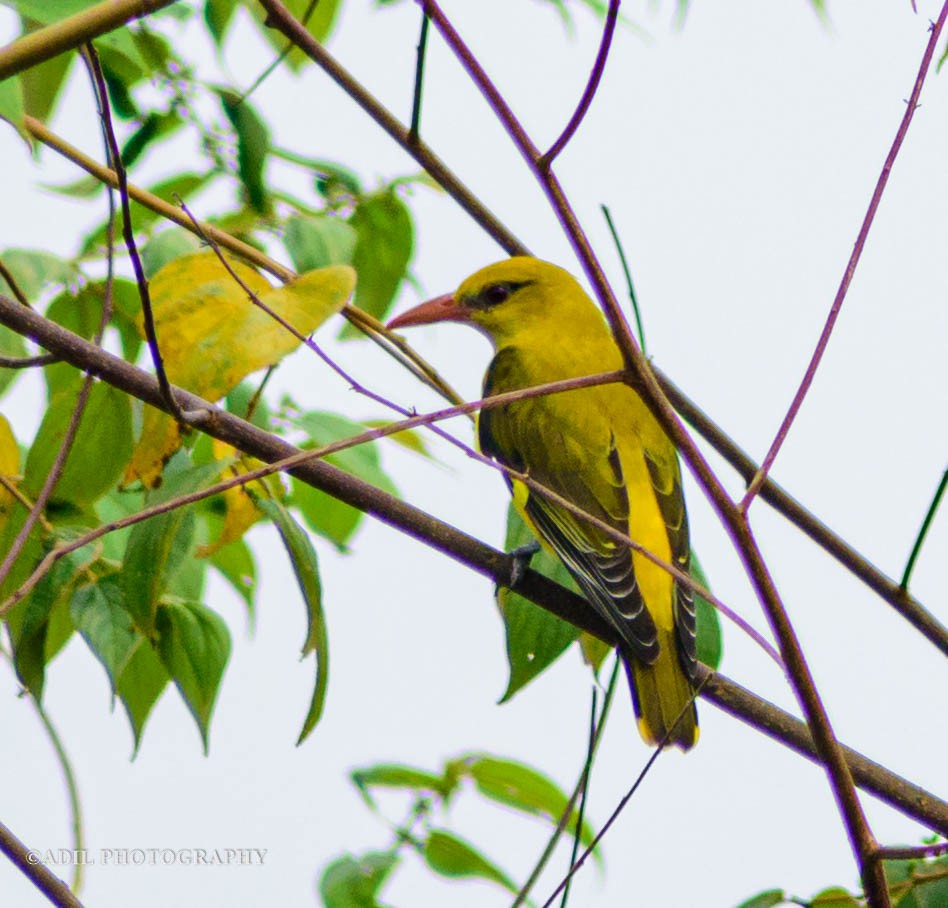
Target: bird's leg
521,557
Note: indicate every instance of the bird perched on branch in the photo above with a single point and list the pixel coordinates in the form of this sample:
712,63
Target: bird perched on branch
601,449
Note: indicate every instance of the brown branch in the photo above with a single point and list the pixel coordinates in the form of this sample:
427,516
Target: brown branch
808,376
784,503
599,66
906,797
128,235
280,18
913,853
36,871
15,288
872,777
72,32
26,362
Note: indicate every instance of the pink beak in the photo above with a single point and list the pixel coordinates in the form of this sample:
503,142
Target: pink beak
439,309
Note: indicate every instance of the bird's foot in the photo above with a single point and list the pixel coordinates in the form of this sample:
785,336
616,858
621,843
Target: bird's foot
521,558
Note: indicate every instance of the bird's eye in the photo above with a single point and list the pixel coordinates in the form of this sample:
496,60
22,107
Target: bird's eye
496,294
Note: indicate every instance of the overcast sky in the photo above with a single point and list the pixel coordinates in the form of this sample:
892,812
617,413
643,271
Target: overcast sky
738,156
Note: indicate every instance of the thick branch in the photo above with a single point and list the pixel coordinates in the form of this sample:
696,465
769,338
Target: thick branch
73,32
904,796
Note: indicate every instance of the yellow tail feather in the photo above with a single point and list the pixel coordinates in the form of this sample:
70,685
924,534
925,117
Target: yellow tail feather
660,693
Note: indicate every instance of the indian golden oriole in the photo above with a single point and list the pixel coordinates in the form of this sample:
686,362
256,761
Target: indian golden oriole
601,449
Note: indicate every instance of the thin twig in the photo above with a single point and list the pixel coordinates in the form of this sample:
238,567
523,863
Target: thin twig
797,402
15,288
578,790
784,503
72,791
584,789
574,867
26,362
628,279
128,234
911,853
923,532
592,85
413,130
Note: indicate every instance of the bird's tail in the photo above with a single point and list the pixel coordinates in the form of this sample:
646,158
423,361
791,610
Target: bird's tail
661,693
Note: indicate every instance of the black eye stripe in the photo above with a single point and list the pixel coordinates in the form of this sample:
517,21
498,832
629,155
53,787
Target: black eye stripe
495,294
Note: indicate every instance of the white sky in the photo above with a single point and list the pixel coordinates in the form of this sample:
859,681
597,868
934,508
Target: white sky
738,156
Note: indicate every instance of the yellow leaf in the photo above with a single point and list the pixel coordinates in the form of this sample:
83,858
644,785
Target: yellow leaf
594,650
240,510
212,334
9,465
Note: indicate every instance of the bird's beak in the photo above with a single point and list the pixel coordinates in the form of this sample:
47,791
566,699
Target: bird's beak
440,309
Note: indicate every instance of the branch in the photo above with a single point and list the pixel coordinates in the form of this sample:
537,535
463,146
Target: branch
592,86
797,402
783,502
906,797
37,872
72,32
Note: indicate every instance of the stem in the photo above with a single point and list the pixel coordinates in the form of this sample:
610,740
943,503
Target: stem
821,344
923,532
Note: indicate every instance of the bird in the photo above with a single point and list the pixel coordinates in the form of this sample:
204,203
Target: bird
601,449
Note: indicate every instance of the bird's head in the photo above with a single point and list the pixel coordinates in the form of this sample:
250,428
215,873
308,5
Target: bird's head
515,296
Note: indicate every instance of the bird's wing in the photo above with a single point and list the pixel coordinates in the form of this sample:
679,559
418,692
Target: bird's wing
531,437
665,474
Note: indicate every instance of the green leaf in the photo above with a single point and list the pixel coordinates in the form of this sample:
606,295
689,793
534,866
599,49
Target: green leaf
398,775
100,449
835,897
412,439
236,564
918,883
768,899
305,566
181,186
322,513
218,14
11,344
708,624
194,645
157,546
319,25
451,856
253,146
521,787
34,271
11,101
99,614
354,882
535,638
29,621
317,241
382,253
43,83
167,246
238,403
140,686
156,126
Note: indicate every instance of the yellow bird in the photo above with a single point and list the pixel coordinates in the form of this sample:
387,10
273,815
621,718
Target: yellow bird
601,449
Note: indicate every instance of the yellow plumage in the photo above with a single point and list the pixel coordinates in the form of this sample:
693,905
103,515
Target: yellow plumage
601,449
